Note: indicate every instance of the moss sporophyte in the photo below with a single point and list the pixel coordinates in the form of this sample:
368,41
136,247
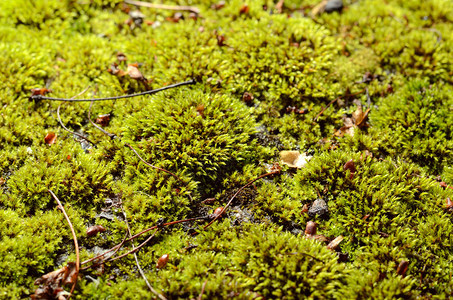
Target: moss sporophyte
226,149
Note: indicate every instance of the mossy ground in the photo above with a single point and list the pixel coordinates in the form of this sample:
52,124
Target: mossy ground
392,209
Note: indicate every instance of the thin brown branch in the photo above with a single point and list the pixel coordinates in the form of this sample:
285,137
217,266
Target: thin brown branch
72,132
41,97
117,247
76,244
152,166
134,250
202,290
237,193
163,225
61,122
163,6
137,262
112,135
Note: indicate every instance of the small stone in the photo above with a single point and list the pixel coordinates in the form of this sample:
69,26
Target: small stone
334,5
319,207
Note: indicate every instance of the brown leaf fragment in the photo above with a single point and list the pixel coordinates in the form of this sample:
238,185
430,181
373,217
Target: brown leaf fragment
221,40
349,165
294,159
200,110
71,276
218,5
304,208
244,9
50,138
134,72
162,261
115,70
360,120
40,91
103,120
348,128
402,268
176,17
247,97
208,201
121,56
94,230
51,284
448,204
333,245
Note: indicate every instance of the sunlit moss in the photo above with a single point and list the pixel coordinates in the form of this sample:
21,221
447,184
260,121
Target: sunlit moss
394,57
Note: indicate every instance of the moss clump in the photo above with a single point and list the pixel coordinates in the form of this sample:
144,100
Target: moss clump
203,135
390,208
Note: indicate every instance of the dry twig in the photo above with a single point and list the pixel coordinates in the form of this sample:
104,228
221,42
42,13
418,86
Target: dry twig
202,289
138,263
64,127
41,97
163,6
76,244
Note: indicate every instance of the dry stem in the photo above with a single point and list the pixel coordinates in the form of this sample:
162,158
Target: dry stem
76,244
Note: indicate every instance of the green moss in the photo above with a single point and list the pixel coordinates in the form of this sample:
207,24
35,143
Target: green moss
394,57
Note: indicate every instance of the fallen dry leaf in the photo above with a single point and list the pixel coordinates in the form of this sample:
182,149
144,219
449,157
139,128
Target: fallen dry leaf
244,9
103,120
219,5
134,72
121,57
50,138
51,284
358,120
360,117
448,204
115,70
294,159
40,91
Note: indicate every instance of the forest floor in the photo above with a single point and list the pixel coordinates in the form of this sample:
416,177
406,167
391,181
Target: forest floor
305,151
